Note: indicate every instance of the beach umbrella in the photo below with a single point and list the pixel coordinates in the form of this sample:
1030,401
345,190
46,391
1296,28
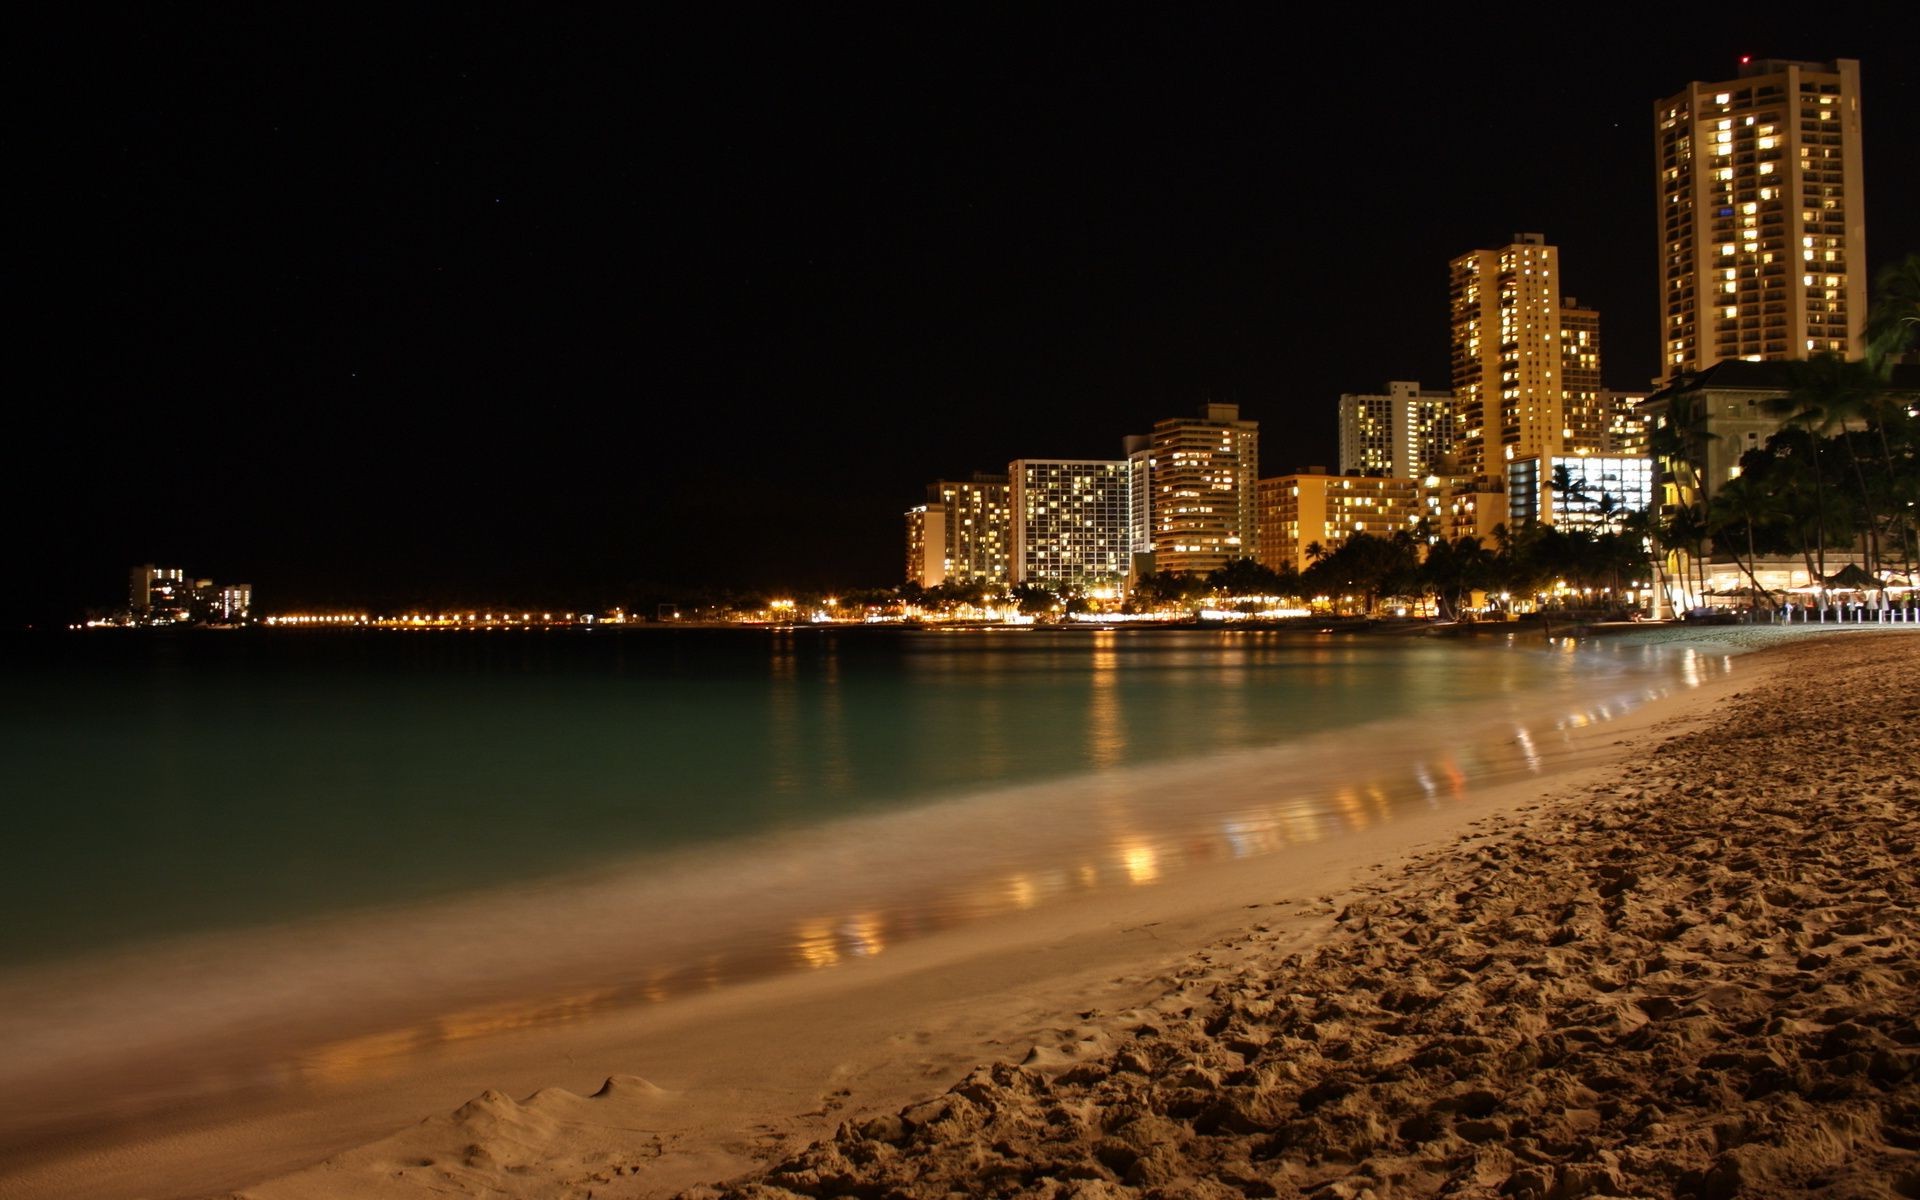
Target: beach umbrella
1853,578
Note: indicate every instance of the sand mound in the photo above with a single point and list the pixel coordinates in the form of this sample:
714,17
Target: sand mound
1699,980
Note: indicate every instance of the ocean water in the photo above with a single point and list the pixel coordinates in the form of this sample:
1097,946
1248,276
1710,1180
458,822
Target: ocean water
163,784
246,868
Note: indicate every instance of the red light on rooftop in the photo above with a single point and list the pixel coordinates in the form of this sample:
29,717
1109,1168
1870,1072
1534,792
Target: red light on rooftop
1745,59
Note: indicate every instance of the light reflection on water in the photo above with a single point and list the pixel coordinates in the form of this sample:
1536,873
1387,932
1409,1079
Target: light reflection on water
823,899
1141,841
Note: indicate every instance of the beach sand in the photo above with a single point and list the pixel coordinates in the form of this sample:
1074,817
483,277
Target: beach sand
1685,968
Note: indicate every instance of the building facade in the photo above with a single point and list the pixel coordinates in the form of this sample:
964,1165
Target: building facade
1584,420
1593,493
1626,423
1071,522
962,534
1510,351
1310,509
1406,433
1203,472
1762,232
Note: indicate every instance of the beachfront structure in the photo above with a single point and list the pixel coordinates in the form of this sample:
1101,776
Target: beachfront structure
1312,510
923,523
1139,452
1457,506
149,586
1763,238
1071,522
1526,362
1589,492
1406,433
1711,419
1202,473
233,602
962,534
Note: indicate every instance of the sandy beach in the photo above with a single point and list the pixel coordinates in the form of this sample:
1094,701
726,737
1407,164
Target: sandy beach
1683,965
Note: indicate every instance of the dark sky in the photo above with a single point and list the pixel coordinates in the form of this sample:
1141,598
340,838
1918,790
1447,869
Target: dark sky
542,306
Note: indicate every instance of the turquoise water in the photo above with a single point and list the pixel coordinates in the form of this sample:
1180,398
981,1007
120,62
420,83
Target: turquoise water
282,868
163,784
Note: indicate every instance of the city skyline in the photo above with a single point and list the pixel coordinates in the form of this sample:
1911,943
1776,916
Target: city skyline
496,309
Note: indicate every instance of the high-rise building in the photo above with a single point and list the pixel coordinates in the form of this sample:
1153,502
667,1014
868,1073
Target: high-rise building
148,585
1584,420
1071,521
1763,239
1508,355
1202,475
1405,433
1311,509
1626,424
961,534
233,602
1139,450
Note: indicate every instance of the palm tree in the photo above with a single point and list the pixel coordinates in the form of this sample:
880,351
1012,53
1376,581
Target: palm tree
1454,571
1743,504
1893,321
1828,394
1686,532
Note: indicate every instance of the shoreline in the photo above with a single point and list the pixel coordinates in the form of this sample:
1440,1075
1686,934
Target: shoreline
707,1060
1695,977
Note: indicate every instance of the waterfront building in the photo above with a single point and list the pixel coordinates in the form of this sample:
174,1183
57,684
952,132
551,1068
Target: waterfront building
1457,506
149,586
232,602
1202,475
1071,522
926,544
1763,251
1588,492
963,533
1712,418
1526,361
1406,433
1139,452
1312,509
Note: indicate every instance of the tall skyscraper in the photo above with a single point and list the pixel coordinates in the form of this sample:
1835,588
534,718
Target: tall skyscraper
1202,477
1405,433
1509,385
1584,420
1070,521
962,533
1763,240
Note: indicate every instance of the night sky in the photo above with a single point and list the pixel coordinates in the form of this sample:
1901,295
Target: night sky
535,306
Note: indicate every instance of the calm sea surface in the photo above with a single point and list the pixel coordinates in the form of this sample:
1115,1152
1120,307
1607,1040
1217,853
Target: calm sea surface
275,868
159,784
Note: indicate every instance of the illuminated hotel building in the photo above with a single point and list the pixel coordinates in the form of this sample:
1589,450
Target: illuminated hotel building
1763,241
1626,424
1202,475
1139,450
1584,420
1070,521
148,585
1311,507
1600,490
1405,433
1510,351
232,602
962,533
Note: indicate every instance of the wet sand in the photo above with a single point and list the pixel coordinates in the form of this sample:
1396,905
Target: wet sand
1096,1005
